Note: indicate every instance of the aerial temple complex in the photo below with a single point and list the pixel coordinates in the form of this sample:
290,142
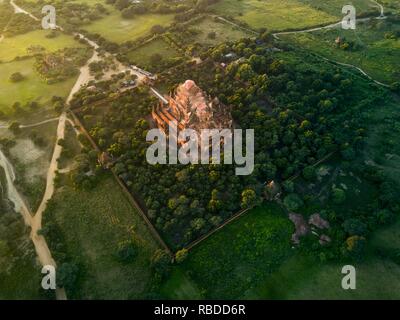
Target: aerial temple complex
191,108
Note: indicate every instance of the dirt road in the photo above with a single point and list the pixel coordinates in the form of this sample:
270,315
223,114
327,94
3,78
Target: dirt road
18,9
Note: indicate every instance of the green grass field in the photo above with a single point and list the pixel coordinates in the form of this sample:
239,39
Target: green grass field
92,224
232,261
32,88
223,32
179,286
388,237
375,55
142,55
334,7
376,279
274,14
18,45
116,29
377,276
383,147
291,14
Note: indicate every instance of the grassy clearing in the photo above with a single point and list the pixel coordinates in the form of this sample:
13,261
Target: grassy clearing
334,7
91,225
273,14
31,161
376,279
383,147
374,54
10,48
116,29
142,55
223,32
377,276
231,262
91,2
180,287
32,88
388,237
301,277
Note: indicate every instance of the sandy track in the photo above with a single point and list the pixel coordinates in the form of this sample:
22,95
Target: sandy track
35,221
18,9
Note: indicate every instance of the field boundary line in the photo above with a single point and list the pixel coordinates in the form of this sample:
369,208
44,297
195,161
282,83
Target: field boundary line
133,202
210,233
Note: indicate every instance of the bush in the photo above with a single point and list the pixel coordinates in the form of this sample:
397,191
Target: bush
355,246
127,251
16,77
181,255
211,35
395,86
15,127
338,196
384,216
157,29
354,227
249,198
309,173
67,275
160,262
293,202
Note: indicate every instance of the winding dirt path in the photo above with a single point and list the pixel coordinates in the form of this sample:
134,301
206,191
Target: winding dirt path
382,15
18,9
22,126
329,26
12,192
35,221
39,242
333,25
42,249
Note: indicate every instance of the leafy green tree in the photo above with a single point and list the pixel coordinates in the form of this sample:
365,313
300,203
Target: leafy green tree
122,4
249,198
395,86
354,226
160,261
245,72
127,251
309,173
384,216
67,276
288,186
181,255
16,77
293,202
157,29
355,246
14,127
338,196
198,224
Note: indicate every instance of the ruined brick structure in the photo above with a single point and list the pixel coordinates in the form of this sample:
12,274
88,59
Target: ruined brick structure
193,109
